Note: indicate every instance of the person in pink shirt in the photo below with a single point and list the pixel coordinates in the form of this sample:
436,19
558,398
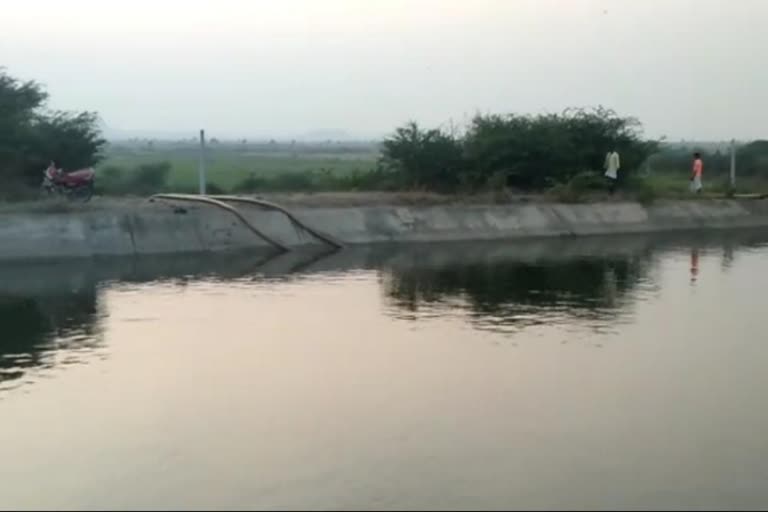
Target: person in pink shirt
698,168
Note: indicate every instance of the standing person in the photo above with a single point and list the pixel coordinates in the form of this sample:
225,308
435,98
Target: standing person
698,168
612,166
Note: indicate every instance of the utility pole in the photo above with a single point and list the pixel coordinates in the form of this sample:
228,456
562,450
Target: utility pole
201,166
733,164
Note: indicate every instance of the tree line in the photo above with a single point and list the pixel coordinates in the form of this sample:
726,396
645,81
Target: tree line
527,152
493,151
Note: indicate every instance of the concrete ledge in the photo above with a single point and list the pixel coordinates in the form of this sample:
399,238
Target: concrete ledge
202,228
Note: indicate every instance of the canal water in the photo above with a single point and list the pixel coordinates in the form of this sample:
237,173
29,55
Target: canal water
592,373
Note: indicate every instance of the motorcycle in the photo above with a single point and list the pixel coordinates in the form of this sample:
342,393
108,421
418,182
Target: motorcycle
76,186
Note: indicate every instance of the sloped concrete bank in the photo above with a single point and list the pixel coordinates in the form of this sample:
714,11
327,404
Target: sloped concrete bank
163,229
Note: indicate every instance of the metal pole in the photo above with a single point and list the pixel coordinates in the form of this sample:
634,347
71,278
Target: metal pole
733,163
201,167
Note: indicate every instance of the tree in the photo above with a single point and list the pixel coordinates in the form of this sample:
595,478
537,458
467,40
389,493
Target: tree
538,151
31,135
424,158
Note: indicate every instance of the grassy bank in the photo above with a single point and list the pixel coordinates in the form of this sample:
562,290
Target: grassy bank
140,169
280,174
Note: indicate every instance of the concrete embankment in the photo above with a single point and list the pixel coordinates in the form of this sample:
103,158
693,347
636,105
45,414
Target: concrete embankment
162,228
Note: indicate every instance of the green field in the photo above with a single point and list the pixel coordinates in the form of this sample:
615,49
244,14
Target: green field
229,170
228,167
144,168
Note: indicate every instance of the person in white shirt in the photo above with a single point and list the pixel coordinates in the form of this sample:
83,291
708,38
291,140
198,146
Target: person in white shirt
612,166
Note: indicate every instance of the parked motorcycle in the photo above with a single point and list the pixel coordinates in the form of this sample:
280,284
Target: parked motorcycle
77,185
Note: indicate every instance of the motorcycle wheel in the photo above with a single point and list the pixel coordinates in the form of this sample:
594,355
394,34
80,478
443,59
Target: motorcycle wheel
47,192
82,194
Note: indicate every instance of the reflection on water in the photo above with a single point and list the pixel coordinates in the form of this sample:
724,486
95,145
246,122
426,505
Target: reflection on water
354,379
513,295
694,265
44,332
51,314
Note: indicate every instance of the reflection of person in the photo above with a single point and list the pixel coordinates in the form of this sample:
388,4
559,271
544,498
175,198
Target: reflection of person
612,166
694,265
698,168
727,261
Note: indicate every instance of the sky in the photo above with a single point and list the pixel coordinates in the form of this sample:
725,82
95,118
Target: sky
688,69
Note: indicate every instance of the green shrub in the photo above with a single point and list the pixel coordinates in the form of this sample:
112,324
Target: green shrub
16,191
424,158
214,190
531,152
250,184
642,189
588,181
149,178
646,194
564,193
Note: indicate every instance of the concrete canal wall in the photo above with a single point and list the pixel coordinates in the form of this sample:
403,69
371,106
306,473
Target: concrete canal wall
160,228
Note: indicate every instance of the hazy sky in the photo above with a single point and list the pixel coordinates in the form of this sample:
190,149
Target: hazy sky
686,68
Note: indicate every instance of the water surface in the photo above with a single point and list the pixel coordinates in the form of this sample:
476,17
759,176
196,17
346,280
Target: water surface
592,373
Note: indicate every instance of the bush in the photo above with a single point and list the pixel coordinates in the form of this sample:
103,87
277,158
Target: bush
214,190
249,185
149,178
565,193
579,187
16,191
525,152
424,158
642,189
646,194
536,152
588,181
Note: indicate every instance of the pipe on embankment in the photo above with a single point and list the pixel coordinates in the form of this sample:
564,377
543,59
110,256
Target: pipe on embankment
220,201
224,206
161,230
323,237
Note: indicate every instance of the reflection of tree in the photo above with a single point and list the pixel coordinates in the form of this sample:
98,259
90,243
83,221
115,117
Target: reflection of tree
519,293
42,332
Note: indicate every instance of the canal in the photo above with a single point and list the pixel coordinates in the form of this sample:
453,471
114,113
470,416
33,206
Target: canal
600,373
